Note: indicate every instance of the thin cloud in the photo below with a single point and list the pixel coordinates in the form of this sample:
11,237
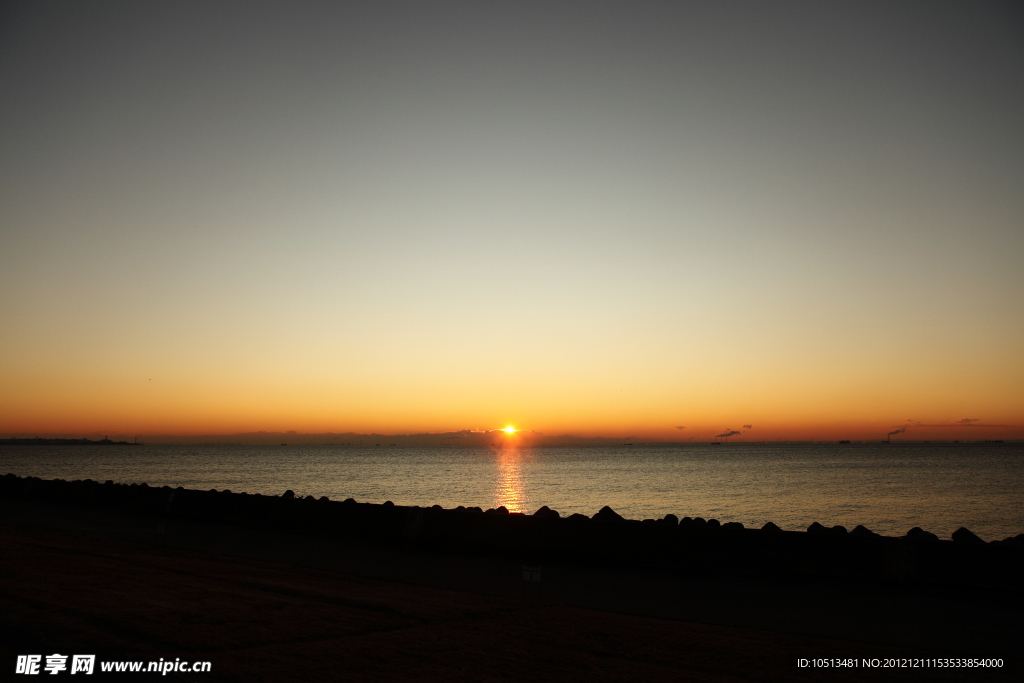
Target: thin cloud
897,431
731,432
748,426
972,423
681,427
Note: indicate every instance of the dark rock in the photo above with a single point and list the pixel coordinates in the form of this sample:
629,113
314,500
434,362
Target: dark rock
965,535
816,528
606,514
732,527
546,513
670,519
288,494
699,523
861,530
325,499
686,521
714,523
577,517
838,530
388,504
770,526
919,534
349,501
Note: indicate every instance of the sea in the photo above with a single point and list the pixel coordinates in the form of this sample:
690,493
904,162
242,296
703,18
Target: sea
888,488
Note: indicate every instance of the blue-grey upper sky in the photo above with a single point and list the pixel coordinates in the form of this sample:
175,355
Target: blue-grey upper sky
642,210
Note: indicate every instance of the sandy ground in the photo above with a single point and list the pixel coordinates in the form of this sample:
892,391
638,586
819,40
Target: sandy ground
276,607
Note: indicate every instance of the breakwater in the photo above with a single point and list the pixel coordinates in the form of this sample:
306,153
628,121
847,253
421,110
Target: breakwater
686,545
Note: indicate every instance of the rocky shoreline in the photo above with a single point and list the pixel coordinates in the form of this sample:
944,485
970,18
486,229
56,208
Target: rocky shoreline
690,545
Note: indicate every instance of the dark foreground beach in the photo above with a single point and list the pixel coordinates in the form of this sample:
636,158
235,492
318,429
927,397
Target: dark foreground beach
279,602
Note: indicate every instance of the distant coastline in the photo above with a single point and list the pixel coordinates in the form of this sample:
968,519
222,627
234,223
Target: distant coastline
64,442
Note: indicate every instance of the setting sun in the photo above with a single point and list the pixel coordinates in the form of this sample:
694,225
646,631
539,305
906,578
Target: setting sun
510,430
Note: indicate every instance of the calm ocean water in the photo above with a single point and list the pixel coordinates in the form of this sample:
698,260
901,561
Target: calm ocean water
888,488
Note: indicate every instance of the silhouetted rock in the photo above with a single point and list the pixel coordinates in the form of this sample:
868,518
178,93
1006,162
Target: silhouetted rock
965,535
546,513
606,514
714,523
919,534
576,538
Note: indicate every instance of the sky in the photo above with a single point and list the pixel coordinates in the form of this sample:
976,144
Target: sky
601,218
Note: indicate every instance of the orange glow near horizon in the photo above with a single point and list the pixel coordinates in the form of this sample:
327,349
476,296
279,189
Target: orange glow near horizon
49,403
73,418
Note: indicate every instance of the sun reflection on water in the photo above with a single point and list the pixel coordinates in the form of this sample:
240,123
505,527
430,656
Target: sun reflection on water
509,490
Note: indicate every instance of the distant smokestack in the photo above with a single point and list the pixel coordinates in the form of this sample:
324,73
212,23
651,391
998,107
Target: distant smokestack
895,431
729,432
